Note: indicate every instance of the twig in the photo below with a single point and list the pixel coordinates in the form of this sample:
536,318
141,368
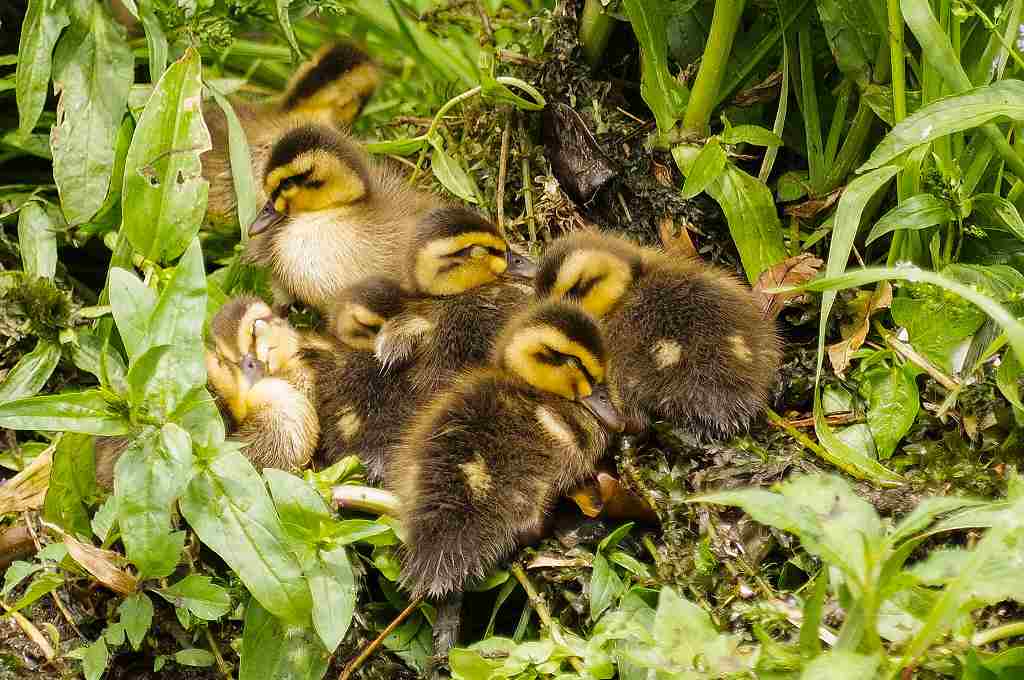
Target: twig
221,664
911,355
372,647
516,58
796,434
537,602
524,143
485,22
502,173
65,612
847,418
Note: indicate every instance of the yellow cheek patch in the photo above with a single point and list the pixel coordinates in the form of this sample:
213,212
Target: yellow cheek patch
614,276
468,274
229,384
563,380
339,183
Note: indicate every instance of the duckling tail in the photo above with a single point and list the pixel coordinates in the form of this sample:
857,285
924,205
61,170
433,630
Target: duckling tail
334,84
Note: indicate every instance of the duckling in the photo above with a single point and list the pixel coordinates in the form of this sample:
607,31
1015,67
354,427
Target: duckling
263,384
478,470
688,344
458,272
330,89
332,216
362,407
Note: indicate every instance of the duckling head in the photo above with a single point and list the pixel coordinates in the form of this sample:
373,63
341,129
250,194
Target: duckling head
454,249
557,347
311,168
362,309
249,349
591,269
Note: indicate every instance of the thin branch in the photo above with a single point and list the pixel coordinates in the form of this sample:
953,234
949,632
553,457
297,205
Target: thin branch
372,647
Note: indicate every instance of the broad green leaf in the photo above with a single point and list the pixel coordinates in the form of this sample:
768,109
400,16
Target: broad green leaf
893,402
87,354
664,95
272,648
810,640
840,665
86,412
155,38
685,637
194,656
199,416
105,519
160,379
937,325
136,615
470,664
37,239
148,477
31,372
131,303
399,147
227,504
926,512
749,210
301,508
72,484
999,212
823,511
285,22
605,586
92,73
16,573
1008,381
163,173
853,36
44,21
94,658
198,594
178,315
43,584
450,173
709,164
915,213
751,134
334,590
241,165
1004,98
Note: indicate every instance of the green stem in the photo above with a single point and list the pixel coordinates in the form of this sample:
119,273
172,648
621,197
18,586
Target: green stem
853,147
1002,632
899,108
596,28
724,23
812,119
838,120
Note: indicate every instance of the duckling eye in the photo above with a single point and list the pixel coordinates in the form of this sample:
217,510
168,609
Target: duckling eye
248,363
582,287
287,183
573,362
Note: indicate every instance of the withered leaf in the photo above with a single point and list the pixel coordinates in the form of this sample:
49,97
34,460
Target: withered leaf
790,272
855,333
813,206
104,565
675,237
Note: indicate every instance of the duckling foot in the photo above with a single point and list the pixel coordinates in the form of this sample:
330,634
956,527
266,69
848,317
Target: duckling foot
446,633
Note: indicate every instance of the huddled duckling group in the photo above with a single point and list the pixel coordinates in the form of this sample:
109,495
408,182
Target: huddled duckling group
475,384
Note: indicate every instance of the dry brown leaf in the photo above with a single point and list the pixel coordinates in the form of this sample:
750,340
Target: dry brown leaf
620,502
675,238
27,489
855,333
548,561
662,173
104,565
765,91
812,207
790,272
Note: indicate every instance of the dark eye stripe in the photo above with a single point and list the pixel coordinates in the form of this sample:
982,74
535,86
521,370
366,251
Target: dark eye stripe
581,288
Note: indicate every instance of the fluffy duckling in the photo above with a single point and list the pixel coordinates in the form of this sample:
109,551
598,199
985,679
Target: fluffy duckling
362,407
330,89
263,384
459,273
480,467
332,216
688,344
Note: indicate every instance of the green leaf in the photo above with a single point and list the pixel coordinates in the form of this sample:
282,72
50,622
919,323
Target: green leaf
131,303
198,594
194,656
148,477
44,21
810,639
178,315
893,402
160,379
838,665
94,660
37,239
915,213
708,166
92,73
155,38
272,648
241,165
685,637
664,95
31,372
227,504
751,134
451,174
470,664
136,615
1004,98
72,484
333,586
853,36
163,173
999,212
1008,381
749,210
926,512
285,22
43,584
605,586
399,147
16,573
615,537
86,412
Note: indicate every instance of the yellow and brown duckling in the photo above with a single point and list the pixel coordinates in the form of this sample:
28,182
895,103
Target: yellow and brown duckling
263,384
362,407
460,277
687,343
333,216
329,89
482,464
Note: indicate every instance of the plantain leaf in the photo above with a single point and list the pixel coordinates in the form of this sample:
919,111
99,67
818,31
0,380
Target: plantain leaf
917,212
285,22
450,173
893,403
92,73
136,615
853,35
86,412
999,212
197,593
155,38
709,164
272,648
241,165
664,95
131,303
72,483
37,239
44,21
163,173
31,372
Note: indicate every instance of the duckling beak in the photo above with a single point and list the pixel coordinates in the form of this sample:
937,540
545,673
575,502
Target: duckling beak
267,218
600,404
520,266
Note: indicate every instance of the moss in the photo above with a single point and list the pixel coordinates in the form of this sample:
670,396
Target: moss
44,308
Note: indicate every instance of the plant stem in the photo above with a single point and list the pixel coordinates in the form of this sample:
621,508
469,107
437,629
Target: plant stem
365,499
372,647
596,27
812,119
531,222
724,23
852,149
537,602
1002,632
838,120
899,107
